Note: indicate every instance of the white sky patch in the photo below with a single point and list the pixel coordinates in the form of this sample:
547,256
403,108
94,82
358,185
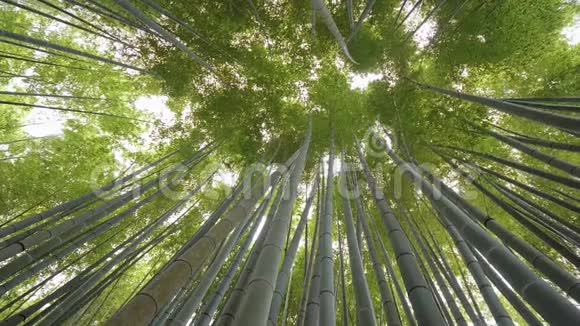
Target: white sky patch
452,182
17,83
50,286
572,32
119,157
157,106
226,177
302,91
458,86
339,63
414,18
313,75
129,146
53,27
266,135
362,81
47,123
424,35
495,117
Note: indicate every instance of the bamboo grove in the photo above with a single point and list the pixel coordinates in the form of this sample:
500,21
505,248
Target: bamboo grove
271,191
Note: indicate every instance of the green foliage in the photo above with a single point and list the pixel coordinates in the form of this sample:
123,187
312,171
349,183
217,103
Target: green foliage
272,73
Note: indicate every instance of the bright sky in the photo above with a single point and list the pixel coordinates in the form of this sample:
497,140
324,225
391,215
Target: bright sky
423,36
227,177
156,106
46,123
572,33
362,81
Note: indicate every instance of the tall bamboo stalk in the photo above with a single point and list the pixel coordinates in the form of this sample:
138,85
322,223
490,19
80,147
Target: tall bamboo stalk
365,313
143,307
260,290
420,295
548,302
326,260
387,300
285,273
